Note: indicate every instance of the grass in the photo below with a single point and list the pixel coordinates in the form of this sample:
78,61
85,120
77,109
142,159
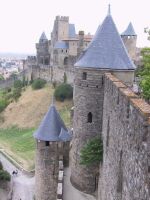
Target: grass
19,143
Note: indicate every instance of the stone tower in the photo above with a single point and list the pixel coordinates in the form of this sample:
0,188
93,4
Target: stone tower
105,53
52,139
129,38
60,29
43,56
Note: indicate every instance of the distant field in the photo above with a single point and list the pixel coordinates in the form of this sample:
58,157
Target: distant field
22,118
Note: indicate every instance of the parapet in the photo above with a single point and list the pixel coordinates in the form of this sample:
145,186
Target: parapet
115,89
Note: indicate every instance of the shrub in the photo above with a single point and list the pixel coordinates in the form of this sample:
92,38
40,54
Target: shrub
16,93
7,89
92,152
18,84
3,104
63,91
4,175
1,166
38,84
54,83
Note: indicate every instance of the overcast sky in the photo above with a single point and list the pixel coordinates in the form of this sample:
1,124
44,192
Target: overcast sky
23,21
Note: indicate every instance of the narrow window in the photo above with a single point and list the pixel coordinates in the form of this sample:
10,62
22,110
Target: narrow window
84,76
102,80
47,143
108,129
90,117
120,176
128,111
118,98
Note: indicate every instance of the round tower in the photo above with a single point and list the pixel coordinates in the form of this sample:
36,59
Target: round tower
129,38
52,140
105,53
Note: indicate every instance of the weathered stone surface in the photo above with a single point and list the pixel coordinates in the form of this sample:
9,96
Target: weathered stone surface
126,138
88,98
46,171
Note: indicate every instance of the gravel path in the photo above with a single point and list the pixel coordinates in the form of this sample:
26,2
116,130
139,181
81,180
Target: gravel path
23,186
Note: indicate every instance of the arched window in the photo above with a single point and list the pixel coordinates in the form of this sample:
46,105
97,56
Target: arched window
89,117
66,61
84,76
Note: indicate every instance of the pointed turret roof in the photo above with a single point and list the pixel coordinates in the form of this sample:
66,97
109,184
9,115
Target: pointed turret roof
43,38
51,126
65,135
106,50
129,31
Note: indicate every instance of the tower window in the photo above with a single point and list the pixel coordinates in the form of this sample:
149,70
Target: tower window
66,61
47,143
89,117
84,76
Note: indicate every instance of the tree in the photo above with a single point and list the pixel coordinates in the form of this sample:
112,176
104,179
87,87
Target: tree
144,73
63,91
147,30
38,84
92,152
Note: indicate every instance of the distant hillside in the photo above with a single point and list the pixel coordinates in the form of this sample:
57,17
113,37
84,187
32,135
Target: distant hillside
14,55
31,108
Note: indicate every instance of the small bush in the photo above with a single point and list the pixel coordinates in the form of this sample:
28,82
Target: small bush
4,175
16,93
18,84
63,91
38,84
1,166
3,104
92,152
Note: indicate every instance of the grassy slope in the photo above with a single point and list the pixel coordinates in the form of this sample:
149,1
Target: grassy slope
27,114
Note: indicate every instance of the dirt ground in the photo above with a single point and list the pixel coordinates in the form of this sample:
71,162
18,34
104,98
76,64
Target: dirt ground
30,108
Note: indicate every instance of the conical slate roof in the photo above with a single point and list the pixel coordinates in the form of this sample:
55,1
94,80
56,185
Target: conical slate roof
51,126
106,50
129,31
43,38
65,135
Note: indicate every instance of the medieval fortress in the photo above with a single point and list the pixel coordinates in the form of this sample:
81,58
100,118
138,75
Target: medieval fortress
104,105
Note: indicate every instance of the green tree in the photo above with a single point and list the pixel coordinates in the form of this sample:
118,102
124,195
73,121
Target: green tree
38,84
92,152
144,73
63,91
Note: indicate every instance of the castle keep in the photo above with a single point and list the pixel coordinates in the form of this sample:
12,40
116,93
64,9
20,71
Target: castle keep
57,56
105,106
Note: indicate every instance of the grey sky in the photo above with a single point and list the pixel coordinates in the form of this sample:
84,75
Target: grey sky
23,21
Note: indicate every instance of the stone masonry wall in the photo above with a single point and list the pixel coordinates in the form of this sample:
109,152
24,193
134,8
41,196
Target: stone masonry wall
126,138
46,171
88,99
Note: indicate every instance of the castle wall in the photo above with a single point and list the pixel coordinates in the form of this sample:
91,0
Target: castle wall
58,74
73,48
126,139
